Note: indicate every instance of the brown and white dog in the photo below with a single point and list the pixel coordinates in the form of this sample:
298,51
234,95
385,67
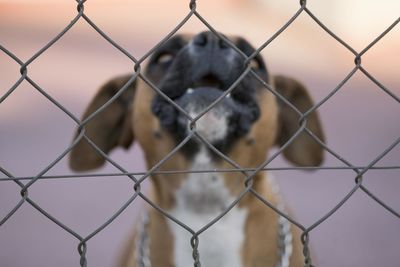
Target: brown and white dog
194,71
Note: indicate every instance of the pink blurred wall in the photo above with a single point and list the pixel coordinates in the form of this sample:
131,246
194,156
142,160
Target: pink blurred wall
360,121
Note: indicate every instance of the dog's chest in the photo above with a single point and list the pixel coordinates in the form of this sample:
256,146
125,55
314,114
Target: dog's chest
200,199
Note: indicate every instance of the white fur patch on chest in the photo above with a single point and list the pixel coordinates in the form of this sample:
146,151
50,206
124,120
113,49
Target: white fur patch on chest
201,198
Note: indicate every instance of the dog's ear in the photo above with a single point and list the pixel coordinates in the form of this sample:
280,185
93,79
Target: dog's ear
110,128
304,150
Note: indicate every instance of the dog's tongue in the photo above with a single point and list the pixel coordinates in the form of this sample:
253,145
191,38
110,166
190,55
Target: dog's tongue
213,125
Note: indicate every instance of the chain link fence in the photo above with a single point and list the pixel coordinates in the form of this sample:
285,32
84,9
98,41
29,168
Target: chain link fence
138,178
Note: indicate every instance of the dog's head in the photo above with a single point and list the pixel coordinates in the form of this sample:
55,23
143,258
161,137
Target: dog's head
194,72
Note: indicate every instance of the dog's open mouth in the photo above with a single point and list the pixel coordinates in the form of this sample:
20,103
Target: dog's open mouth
224,121
209,80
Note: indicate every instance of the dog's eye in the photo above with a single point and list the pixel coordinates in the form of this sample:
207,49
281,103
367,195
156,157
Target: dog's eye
255,64
165,58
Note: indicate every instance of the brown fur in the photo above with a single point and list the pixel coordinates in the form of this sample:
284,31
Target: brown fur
131,117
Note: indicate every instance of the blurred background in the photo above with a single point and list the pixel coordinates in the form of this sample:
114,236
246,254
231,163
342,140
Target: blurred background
360,121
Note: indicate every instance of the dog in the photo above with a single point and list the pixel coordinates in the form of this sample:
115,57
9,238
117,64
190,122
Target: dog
194,71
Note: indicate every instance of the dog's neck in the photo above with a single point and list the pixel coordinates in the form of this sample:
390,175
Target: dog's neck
203,193
200,199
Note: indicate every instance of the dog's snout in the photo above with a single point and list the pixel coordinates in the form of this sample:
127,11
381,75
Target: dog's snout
213,62
208,40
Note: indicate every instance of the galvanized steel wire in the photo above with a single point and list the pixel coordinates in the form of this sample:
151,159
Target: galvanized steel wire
139,177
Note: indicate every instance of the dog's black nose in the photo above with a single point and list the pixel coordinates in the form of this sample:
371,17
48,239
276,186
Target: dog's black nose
208,40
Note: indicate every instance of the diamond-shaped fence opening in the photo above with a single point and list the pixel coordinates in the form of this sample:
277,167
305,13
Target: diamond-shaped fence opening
354,172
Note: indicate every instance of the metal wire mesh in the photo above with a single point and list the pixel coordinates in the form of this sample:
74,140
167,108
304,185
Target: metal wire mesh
139,177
